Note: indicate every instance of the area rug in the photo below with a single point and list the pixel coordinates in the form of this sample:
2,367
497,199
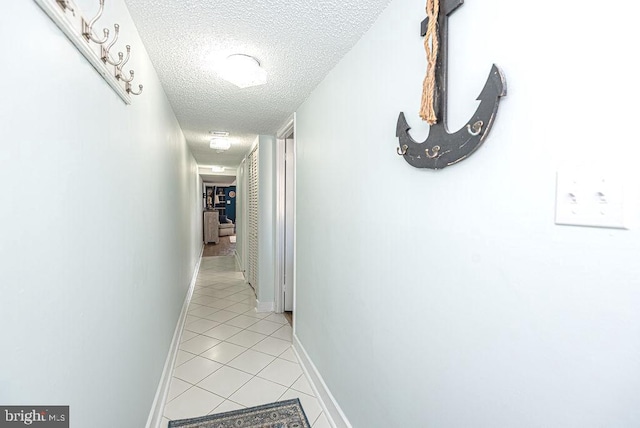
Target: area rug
283,414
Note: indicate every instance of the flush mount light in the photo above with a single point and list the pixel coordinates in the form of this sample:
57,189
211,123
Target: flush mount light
243,71
220,144
217,168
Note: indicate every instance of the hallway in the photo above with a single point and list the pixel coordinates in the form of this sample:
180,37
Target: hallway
452,297
231,357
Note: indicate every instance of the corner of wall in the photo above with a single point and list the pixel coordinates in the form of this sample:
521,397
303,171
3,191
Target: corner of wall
159,401
330,406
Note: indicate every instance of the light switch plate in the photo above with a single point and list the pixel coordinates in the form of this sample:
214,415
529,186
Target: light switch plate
590,198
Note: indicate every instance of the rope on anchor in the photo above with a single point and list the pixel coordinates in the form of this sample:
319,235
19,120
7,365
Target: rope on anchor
427,108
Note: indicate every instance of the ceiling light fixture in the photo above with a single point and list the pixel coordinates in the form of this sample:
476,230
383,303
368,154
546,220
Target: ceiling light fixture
219,133
220,144
243,71
217,168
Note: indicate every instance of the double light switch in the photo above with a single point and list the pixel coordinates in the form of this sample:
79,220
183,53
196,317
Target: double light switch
590,199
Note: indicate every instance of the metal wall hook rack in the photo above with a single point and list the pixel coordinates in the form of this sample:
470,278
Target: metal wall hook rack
130,91
64,4
122,63
87,28
71,21
119,75
106,56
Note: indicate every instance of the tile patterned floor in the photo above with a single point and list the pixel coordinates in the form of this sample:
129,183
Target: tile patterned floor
231,357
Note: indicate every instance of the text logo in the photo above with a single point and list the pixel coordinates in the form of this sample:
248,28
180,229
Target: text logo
34,416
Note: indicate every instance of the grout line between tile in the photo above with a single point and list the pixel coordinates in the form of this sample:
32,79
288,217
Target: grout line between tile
210,280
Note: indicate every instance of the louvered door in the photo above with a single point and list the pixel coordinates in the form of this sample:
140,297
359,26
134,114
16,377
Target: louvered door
252,219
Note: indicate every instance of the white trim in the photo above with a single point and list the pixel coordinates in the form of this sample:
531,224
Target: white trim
245,216
288,126
280,213
264,306
157,408
253,146
330,407
238,262
240,222
295,216
215,183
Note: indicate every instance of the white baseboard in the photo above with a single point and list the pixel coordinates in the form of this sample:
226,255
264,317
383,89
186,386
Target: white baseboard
264,306
157,408
238,261
330,407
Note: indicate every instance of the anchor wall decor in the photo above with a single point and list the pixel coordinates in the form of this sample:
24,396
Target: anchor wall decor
441,148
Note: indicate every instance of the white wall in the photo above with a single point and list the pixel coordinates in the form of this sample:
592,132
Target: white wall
450,298
100,225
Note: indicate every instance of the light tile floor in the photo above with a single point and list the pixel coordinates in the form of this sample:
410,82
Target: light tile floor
232,357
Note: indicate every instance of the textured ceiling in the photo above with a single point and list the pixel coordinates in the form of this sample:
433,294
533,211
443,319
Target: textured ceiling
297,41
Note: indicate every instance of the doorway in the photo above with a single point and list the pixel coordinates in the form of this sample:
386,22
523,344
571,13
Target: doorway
285,164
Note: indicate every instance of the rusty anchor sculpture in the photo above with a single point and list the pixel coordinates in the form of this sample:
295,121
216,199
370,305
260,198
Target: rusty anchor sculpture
441,148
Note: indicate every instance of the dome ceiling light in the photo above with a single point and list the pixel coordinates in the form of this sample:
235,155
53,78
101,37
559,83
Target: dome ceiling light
243,71
220,144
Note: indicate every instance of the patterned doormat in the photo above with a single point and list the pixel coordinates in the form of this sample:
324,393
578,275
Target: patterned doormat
283,414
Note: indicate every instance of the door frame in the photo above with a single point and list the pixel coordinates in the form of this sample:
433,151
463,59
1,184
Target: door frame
285,130
243,211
